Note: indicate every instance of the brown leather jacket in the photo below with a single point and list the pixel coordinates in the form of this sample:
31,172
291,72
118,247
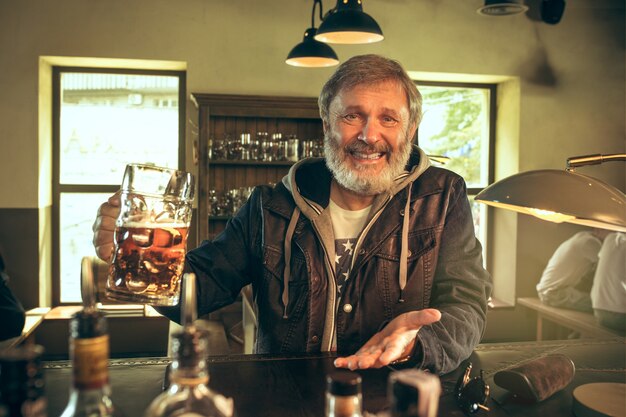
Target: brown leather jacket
444,266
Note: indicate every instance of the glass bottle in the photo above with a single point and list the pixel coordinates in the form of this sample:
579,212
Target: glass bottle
413,393
22,392
90,393
343,394
188,394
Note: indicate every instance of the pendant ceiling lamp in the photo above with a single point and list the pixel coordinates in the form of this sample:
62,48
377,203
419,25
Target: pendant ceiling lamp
310,52
347,23
562,196
502,7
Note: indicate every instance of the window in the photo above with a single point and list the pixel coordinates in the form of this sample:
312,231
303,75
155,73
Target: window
104,119
459,123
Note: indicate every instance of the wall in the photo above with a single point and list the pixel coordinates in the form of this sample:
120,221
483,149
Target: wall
571,86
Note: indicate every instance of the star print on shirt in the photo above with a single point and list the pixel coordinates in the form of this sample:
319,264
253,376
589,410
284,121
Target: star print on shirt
347,245
344,249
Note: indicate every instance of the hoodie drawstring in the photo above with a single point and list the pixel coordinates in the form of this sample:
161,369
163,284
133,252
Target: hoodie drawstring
405,243
287,252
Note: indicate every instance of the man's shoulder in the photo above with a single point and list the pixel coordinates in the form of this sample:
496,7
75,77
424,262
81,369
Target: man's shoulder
443,173
436,180
275,197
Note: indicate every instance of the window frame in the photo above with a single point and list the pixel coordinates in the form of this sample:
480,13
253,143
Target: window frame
58,188
492,120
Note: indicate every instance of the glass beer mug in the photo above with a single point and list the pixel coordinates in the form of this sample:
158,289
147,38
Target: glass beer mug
151,235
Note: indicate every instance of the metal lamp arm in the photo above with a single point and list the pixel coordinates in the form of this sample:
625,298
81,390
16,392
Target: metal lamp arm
315,2
596,159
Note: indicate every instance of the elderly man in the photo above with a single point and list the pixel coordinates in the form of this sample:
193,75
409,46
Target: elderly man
369,252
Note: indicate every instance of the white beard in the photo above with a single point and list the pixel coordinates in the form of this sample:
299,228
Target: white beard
359,179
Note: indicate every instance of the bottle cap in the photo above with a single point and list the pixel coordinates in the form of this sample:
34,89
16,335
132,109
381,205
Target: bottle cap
189,346
343,383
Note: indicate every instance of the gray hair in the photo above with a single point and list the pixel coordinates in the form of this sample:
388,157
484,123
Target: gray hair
369,70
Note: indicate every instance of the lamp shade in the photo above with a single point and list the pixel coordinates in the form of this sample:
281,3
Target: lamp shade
347,23
311,53
560,196
502,7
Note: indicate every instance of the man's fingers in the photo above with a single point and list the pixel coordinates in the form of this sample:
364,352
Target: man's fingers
115,199
394,342
104,252
104,227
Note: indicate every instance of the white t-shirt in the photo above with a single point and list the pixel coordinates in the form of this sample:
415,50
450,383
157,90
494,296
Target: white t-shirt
609,283
573,260
347,226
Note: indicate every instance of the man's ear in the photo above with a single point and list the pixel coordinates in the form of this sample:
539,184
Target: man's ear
324,126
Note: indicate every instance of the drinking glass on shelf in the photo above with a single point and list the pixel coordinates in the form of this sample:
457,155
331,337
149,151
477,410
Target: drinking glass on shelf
255,149
265,151
221,206
318,148
292,148
218,149
309,149
277,152
151,235
246,146
233,147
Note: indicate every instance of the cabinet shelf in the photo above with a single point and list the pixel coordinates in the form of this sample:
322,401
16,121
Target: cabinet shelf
227,162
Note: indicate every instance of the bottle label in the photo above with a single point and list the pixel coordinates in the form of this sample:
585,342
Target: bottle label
90,359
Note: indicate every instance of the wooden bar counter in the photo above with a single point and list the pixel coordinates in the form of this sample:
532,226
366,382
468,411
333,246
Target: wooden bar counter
273,386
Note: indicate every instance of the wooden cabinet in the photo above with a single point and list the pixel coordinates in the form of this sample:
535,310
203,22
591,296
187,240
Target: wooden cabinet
232,115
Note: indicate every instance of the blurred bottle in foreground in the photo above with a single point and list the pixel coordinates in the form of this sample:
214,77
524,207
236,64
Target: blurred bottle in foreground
90,393
188,393
343,394
413,393
22,392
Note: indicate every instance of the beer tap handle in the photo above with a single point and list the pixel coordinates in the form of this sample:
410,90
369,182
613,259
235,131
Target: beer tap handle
189,307
87,284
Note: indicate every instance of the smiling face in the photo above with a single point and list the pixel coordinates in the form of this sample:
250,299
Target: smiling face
367,139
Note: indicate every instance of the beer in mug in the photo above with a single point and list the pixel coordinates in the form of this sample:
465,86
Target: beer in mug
151,235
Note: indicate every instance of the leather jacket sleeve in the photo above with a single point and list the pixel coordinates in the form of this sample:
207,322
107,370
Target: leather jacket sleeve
461,288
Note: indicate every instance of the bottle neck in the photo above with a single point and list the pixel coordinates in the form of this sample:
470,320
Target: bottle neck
189,375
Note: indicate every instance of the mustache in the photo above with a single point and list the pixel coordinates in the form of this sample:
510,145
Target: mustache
362,147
